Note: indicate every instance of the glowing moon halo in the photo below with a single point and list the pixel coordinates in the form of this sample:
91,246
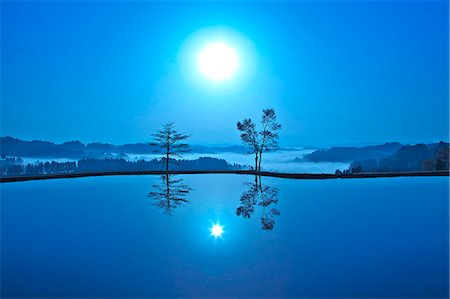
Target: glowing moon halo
218,61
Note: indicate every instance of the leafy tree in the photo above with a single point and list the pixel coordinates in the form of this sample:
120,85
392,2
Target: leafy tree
265,140
263,196
249,137
170,142
269,133
249,199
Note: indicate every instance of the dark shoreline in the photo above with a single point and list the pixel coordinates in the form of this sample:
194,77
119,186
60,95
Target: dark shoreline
304,176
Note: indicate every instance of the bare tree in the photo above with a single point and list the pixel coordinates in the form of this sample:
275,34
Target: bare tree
170,143
265,140
170,194
249,137
269,134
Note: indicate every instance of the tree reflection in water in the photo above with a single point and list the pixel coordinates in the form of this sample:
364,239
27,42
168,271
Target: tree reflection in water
170,193
261,195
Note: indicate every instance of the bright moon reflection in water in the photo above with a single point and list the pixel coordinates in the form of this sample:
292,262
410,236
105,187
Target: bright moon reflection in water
218,61
216,230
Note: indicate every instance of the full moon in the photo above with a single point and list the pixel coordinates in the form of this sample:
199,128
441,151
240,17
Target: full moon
218,61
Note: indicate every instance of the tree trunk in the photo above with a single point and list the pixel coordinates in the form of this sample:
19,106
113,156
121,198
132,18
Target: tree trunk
167,185
256,161
260,158
167,161
167,191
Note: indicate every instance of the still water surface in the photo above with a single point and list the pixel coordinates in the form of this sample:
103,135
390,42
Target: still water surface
120,237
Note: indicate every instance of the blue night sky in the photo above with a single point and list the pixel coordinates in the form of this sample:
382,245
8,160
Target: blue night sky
336,72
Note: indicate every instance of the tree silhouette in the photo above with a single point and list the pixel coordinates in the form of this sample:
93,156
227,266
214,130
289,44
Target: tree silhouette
249,199
268,197
265,140
170,143
263,196
269,133
170,194
249,137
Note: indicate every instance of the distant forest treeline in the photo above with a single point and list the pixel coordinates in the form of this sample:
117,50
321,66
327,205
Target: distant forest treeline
388,157
16,166
350,154
75,149
419,157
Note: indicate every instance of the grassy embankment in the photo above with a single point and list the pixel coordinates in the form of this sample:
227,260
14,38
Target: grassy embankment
241,172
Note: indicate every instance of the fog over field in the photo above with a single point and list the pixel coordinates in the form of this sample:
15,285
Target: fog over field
285,160
288,160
